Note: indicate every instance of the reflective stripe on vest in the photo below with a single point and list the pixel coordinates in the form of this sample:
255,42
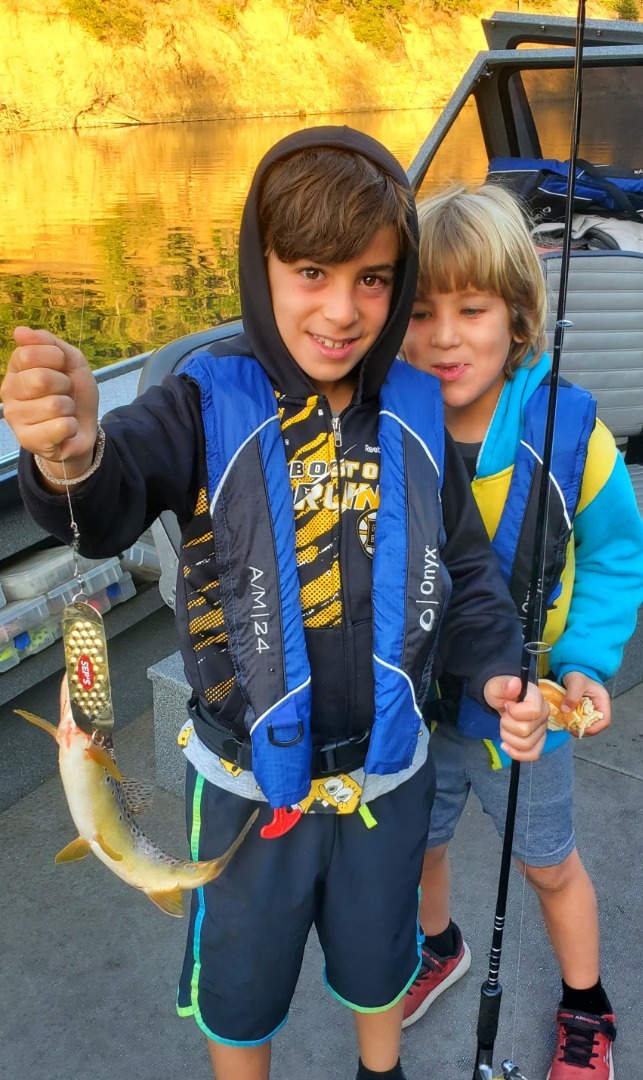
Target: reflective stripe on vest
251,501
513,542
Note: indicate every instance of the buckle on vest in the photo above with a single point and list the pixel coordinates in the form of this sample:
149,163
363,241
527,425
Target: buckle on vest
342,756
286,742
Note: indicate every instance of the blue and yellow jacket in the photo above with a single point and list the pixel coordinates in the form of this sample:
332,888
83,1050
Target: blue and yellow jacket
593,607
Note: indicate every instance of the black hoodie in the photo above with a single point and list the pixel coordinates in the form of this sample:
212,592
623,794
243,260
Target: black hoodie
154,460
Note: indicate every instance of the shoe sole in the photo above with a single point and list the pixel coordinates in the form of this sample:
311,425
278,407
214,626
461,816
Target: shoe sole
456,974
611,1075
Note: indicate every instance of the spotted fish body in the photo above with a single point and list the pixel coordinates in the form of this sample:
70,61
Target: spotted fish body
103,810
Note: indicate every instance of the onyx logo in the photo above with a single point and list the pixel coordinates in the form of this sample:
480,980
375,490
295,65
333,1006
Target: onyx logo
426,601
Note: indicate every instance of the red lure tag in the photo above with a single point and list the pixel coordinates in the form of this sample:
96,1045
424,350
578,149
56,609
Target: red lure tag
85,672
283,820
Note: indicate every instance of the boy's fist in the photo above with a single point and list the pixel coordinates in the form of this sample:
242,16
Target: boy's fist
51,400
523,724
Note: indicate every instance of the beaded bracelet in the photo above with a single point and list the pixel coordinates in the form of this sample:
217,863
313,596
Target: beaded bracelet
99,450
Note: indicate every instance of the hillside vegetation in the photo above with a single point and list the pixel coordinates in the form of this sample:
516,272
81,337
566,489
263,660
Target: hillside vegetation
80,63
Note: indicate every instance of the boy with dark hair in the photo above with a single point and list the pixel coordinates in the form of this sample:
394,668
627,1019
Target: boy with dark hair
478,324
309,642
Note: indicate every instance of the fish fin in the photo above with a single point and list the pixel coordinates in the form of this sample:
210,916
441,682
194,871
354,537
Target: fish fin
104,846
75,851
38,721
139,795
169,902
101,757
213,867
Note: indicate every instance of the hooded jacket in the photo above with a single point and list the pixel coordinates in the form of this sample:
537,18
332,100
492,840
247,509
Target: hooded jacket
155,460
599,580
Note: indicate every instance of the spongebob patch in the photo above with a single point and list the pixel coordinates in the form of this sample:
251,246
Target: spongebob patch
332,795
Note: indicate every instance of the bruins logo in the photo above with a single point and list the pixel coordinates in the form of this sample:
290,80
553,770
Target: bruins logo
366,531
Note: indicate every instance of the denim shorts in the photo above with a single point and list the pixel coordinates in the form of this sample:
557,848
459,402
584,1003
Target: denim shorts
544,834
357,885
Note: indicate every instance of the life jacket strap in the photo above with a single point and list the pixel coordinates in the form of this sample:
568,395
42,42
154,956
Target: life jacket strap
329,759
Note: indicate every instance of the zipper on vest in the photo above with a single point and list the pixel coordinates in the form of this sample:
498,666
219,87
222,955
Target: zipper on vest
337,430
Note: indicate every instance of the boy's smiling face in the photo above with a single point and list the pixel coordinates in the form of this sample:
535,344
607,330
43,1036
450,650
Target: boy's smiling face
328,316
463,338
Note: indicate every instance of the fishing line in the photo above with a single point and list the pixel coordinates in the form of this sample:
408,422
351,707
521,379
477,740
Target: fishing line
537,649
491,990
84,635
75,545
522,914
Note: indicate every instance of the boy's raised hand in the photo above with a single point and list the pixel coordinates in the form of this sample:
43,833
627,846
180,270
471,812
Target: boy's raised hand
523,724
51,400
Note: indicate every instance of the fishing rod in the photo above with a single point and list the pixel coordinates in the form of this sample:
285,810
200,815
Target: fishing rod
533,647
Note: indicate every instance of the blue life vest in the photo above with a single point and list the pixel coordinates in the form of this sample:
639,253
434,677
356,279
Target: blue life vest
513,541
251,505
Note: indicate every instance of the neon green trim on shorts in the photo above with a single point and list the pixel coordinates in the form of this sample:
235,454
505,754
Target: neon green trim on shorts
194,1009
191,1011
194,851
377,1008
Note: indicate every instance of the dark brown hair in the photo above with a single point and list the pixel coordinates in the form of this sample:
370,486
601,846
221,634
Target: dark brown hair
326,205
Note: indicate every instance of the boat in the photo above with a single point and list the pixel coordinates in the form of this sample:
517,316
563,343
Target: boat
506,100
513,101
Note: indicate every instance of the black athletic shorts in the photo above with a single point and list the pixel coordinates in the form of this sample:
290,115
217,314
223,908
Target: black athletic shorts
248,929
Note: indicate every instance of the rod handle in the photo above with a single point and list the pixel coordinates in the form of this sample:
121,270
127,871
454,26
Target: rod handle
490,998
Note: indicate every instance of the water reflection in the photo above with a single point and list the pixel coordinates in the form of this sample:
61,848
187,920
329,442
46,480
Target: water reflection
125,238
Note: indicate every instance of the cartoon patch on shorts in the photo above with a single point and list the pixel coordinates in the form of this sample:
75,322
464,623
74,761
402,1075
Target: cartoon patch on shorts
332,795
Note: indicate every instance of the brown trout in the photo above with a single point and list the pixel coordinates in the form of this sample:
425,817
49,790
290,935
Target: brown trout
103,805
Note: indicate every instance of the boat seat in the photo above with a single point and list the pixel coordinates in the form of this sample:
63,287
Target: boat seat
603,351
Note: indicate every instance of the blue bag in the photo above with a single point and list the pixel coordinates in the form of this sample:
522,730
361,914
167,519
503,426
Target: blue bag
599,189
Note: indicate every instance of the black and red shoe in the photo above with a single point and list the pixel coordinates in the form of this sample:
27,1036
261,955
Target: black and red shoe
434,977
584,1049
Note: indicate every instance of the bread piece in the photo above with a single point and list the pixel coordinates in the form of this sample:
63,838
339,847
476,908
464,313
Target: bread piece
576,722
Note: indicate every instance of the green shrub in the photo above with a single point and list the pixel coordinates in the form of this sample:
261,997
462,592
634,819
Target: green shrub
120,20
451,6
227,13
374,22
627,9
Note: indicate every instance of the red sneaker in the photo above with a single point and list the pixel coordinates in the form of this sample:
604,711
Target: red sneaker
436,974
584,1050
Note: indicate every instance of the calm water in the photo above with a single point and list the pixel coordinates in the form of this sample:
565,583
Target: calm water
125,238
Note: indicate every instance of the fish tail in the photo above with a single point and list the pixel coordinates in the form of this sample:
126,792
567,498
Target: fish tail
211,869
38,721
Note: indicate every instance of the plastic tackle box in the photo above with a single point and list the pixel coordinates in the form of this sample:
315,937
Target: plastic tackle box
121,590
97,579
40,637
21,615
8,657
32,575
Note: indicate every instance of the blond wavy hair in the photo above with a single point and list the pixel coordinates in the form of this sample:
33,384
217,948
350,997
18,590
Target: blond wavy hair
479,237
